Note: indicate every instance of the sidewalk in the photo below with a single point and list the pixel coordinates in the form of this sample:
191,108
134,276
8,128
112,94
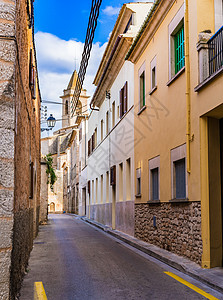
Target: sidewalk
212,277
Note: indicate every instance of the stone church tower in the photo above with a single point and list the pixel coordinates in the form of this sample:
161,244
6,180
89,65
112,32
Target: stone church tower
67,119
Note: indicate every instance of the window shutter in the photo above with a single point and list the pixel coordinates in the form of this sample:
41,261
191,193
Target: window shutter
155,184
113,175
180,179
93,141
121,102
125,97
89,187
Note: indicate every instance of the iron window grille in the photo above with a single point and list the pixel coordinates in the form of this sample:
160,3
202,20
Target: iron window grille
215,52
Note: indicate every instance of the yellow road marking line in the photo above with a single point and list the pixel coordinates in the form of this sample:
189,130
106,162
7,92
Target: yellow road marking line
191,286
39,292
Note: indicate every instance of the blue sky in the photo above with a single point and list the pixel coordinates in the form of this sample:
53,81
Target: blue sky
69,19
60,31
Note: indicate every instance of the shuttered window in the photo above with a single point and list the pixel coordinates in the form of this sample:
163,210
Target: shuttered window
180,177
179,49
142,90
155,183
123,95
113,175
93,142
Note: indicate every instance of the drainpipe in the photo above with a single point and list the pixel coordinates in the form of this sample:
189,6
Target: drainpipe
188,98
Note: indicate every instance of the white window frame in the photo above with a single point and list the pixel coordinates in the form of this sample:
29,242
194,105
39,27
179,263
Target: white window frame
177,154
153,164
152,66
173,27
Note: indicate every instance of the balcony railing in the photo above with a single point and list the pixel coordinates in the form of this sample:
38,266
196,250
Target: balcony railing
215,52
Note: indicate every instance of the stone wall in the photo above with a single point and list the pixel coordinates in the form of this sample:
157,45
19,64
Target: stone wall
178,227
7,127
20,145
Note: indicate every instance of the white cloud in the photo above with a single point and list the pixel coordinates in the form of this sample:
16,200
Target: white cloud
56,61
111,11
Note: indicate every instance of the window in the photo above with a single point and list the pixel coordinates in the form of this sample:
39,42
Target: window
128,179
138,182
96,137
66,107
123,100
176,44
120,182
92,196
102,133
96,189
154,174
113,114
142,90
180,179
179,49
178,173
89,187
155,183
107,187
113,175
102,189
153,73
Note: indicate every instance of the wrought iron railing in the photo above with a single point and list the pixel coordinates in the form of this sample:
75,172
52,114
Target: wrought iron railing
215,52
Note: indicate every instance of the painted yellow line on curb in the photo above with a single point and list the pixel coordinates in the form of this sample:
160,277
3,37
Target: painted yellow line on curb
191,286
39,292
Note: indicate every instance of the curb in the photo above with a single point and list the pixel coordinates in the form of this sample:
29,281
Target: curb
185,266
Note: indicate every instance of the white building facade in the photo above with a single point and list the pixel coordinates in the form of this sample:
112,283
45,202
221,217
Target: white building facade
110,165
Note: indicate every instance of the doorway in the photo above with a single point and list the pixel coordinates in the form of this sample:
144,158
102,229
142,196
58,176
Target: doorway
84,205
113,206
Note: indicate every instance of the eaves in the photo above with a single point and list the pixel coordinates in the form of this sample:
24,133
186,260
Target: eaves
112,70
147,31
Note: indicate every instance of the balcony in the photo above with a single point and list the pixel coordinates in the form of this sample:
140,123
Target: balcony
210,57
215,52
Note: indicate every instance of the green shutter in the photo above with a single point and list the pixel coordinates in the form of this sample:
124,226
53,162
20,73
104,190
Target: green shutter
179,50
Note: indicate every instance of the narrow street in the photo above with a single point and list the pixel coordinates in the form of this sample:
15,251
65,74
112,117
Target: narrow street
75,260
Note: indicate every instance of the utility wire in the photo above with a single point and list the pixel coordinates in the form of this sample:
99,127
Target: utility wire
92,24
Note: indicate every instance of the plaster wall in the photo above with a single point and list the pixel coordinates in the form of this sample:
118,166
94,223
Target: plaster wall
163,122
115,148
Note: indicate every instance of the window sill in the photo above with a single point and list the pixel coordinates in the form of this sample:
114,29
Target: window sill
153,90
138,196
179,200
175,76
141,110
153,202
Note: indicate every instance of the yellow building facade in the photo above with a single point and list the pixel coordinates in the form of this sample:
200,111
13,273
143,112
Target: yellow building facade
178,111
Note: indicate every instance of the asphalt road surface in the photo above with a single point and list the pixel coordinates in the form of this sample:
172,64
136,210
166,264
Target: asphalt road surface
75,260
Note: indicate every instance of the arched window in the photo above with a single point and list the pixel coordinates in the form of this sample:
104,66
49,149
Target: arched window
66,107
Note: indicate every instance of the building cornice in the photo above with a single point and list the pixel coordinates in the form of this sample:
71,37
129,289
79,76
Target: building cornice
115,65
119,27
151,24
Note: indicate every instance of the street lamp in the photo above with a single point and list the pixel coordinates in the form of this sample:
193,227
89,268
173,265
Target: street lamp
51,121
